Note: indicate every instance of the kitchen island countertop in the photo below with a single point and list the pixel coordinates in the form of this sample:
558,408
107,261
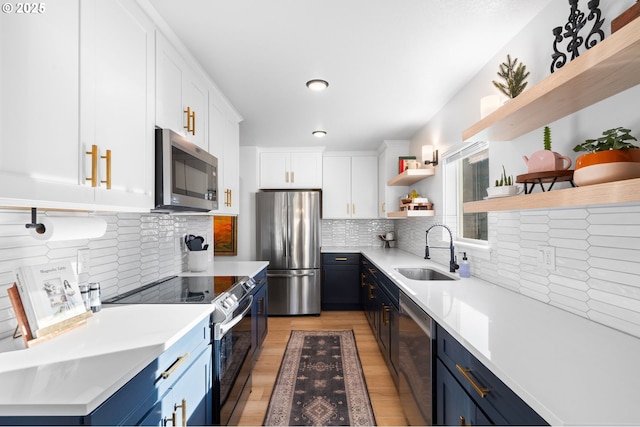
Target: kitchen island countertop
73,373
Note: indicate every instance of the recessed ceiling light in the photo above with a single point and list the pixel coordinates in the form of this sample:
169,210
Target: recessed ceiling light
317,84
318,133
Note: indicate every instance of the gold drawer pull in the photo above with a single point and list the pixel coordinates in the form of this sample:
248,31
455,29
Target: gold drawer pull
166,374
342,259
107,158
482,391
184,411
171,420
94,165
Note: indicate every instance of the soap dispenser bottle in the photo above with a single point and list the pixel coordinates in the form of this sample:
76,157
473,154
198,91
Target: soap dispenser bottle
465,267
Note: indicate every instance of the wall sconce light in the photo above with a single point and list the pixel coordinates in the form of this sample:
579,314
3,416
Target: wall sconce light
429,155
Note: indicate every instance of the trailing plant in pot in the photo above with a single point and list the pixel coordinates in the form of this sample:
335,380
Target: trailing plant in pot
503,186
611,157
546,160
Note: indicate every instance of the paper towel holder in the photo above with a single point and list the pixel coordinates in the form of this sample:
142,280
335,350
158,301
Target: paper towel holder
34,222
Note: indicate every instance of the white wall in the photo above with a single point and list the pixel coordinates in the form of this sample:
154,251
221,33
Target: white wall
597,275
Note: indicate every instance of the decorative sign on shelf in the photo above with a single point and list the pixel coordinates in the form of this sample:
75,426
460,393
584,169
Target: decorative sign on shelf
572,33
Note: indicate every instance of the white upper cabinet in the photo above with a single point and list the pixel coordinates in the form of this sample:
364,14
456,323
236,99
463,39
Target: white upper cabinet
69,82
349,188
224,143
39,111
287,169
181,96
117,100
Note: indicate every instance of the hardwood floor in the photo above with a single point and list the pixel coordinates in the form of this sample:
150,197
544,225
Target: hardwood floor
382,391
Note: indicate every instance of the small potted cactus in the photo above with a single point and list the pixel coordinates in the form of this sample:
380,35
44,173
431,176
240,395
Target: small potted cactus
504,186
546,160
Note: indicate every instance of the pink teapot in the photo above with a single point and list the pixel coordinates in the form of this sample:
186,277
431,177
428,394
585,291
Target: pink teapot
547,160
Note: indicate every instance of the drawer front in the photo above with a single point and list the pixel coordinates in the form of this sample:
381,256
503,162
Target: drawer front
341,258
489,392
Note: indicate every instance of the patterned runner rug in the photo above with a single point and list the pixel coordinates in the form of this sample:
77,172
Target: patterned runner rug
320,383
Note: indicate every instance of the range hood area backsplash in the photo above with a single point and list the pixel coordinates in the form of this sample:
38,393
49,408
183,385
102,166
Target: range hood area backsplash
136,249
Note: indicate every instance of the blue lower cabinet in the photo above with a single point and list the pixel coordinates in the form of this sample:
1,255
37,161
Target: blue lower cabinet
341,281
188,401
475,384
454,406
259,313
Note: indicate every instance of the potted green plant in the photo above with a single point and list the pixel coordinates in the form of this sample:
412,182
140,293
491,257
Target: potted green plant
514,76
503,186
611,157
546,160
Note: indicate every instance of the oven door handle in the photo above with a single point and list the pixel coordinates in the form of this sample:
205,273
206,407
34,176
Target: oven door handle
226,326
291,275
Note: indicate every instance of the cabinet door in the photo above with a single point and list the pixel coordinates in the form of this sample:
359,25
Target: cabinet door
39,111
306,170
364,191
274,170
117,100
336,187
193,390
454,406
169,70
340,287
224,139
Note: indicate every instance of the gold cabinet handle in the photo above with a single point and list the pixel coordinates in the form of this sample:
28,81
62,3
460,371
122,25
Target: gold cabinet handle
353,209
371,295
286,177
385,314
362,281
166,374
191,121
347,208
463,422
293,177
342,259
184,412
482,391
382,207
228,199
107,158
171,420
94,165
261,307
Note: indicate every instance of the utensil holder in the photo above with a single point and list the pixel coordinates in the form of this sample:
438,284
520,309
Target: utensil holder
197,260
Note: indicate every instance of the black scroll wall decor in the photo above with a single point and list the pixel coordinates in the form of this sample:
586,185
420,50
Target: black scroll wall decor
570,36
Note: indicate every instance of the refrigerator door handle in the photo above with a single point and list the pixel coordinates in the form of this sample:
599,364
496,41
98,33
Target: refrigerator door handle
291,274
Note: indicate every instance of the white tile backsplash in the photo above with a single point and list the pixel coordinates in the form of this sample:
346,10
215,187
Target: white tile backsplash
597,273
136,249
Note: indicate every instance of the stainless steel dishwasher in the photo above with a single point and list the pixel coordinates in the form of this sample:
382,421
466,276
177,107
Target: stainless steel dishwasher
416,363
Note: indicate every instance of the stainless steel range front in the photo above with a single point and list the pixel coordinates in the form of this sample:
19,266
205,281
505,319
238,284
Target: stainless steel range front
231,331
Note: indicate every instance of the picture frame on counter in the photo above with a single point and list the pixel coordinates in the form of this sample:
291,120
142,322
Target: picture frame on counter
225,235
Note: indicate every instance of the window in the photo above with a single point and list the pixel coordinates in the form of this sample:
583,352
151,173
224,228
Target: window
466,178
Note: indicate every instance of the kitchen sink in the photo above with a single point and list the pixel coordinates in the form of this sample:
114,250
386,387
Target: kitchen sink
423,273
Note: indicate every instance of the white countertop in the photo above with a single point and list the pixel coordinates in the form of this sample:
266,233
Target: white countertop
230,268
72,374
570,370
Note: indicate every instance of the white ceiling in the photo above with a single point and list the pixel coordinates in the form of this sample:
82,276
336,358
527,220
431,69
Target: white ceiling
391,64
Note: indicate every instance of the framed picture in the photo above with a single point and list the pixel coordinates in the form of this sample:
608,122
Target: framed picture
225,235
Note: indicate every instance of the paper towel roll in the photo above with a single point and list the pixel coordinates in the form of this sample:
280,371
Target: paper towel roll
70,228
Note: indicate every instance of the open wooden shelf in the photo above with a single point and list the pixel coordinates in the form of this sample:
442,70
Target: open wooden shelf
411,176
610,67
411,214
627,191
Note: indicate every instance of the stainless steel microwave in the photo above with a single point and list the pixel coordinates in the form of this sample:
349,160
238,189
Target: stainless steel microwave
186,175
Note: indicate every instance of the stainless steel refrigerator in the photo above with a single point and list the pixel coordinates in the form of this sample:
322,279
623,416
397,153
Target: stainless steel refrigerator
288,236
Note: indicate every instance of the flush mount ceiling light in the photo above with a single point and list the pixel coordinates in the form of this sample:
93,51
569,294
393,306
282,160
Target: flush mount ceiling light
319,133
317,84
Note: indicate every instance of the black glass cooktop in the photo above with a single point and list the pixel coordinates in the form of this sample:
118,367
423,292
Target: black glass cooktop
178,290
